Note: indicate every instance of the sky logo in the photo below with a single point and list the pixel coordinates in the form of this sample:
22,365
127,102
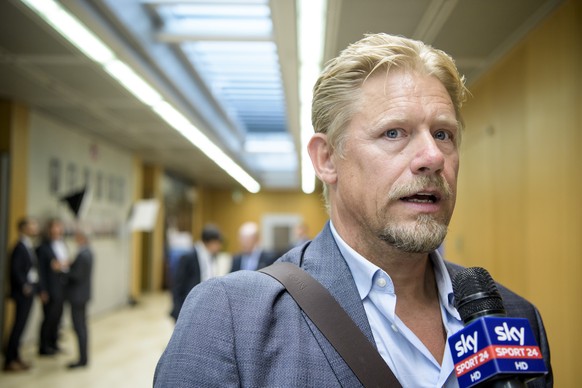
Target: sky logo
510,334
466,344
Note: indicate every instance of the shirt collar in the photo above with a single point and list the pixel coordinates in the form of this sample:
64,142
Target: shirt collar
444,283
363,272
201,248
27,241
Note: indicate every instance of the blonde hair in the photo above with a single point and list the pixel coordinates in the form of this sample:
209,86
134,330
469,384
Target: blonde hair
336,91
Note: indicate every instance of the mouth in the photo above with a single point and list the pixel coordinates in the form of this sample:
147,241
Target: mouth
429,197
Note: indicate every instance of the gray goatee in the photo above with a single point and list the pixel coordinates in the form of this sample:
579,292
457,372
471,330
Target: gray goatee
428,232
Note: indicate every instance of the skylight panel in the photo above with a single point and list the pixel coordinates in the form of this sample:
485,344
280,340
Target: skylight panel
230,45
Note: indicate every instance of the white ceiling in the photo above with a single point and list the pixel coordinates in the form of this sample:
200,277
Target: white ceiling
38,67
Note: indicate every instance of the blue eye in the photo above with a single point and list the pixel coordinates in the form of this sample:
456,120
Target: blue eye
442,135
392,133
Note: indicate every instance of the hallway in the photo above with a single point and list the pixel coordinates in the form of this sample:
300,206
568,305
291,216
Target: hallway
125,346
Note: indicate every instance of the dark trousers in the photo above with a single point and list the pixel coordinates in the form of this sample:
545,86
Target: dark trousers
49,329
79,317
23,306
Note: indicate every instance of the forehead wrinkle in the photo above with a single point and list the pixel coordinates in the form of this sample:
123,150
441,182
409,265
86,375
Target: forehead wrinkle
404,101
414,85
403,112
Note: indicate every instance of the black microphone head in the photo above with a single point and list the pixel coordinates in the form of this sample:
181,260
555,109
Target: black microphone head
476,294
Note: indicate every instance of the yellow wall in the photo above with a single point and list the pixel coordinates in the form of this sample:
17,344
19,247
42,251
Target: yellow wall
229,210
14,141
518,212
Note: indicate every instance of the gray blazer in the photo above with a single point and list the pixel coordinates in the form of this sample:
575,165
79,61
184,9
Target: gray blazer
244,330
78,288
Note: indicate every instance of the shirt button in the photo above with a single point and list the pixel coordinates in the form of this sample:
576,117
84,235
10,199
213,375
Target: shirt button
394,328
381,282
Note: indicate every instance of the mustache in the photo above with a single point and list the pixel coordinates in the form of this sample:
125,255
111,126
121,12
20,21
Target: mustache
420,184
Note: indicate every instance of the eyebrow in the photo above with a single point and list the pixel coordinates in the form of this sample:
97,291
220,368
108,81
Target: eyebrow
445,121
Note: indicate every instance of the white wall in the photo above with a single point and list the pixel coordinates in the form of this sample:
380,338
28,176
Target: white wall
84,159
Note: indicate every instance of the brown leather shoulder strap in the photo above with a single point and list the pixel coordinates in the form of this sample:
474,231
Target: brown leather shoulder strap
335,324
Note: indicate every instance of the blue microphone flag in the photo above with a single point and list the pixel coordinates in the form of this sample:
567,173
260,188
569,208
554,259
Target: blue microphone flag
490,347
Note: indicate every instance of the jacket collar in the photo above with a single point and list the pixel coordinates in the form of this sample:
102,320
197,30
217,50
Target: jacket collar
324,261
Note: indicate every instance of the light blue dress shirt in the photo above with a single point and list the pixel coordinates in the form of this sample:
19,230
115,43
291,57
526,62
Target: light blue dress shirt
405,354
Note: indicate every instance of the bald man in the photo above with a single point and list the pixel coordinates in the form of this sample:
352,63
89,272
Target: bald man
252,255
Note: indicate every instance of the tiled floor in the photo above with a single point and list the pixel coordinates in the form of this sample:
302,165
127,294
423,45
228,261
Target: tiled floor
125,346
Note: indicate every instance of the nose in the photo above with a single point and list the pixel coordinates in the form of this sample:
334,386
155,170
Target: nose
428,158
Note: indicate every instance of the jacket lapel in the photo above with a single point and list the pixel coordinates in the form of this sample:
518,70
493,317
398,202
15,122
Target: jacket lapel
323,260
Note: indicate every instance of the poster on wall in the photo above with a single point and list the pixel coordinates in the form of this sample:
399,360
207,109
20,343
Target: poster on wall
143,215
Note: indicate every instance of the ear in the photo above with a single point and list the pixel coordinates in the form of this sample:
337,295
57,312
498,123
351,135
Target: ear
320,153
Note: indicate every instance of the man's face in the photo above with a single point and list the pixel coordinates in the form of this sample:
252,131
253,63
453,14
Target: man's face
56,231
247,242
214,246
31,228
398,174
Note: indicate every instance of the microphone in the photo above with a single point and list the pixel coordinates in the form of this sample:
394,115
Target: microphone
492,350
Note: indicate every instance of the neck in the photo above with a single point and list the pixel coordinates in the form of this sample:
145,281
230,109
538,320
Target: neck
411,273
413,276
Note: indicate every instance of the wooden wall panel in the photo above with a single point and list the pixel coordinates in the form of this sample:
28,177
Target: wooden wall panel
517,212
553,157
137,253
14,139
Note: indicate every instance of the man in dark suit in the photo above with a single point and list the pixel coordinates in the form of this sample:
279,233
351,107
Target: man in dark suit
53,261
195,267
252,255
387,118
78,294
23,286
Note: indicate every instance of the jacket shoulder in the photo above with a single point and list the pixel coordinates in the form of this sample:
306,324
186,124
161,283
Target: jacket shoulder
215,307
18,250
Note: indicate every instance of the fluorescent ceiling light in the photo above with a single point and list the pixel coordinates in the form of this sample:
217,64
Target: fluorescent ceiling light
311,28
132,82
174,118
76,33
72,29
